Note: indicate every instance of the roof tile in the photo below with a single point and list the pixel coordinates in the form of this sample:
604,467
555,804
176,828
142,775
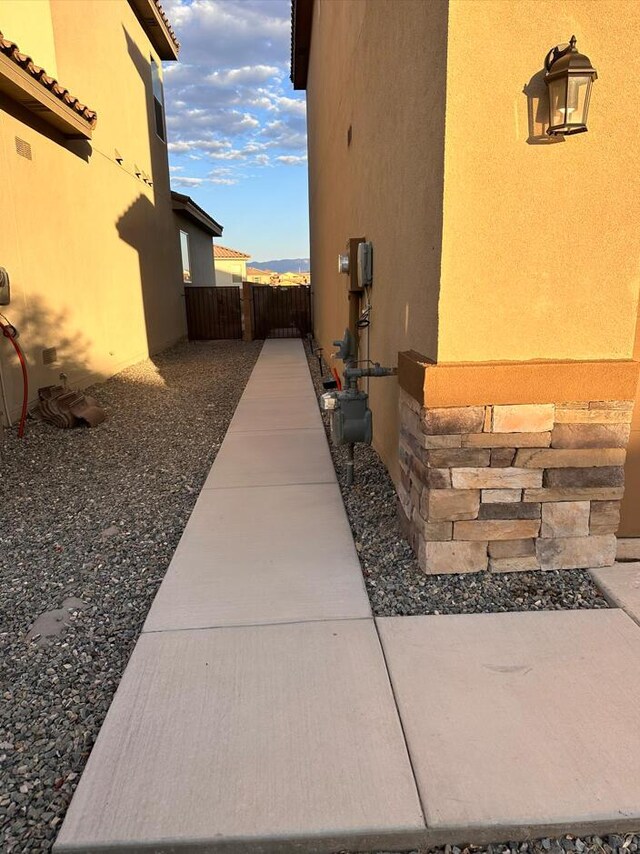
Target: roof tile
10,49
225,252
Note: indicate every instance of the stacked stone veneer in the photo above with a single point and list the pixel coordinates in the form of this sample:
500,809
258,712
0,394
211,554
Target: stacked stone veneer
509,488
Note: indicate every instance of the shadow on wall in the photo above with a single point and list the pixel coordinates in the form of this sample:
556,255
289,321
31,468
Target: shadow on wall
81,148
150,230
39,326
629,523
538,111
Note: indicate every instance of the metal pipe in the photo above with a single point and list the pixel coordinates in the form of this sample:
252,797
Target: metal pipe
5,403
350,463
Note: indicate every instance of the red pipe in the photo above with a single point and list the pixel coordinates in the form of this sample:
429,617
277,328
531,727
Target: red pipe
9,332
336,376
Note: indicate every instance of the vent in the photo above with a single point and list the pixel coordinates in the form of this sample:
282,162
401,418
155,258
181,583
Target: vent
49,356
23,148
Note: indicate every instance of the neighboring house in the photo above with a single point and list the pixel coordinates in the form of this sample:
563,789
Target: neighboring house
492,243
295,278
230,264
196,231
258,277
88,231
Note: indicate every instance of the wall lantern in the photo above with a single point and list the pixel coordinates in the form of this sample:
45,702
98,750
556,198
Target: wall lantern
569,77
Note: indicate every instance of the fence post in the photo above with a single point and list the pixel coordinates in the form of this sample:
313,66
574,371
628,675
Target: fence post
247,312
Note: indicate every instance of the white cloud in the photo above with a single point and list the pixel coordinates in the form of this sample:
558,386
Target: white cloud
248,75
233,32
202,144
294,106
184,181
229,98
292,159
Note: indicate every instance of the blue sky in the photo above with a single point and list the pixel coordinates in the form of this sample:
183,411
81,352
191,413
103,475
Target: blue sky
237,130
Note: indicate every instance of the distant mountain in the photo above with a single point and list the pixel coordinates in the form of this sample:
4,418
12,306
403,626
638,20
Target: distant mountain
284,265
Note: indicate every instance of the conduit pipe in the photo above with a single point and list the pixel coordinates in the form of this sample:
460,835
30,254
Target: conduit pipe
3,391
9,331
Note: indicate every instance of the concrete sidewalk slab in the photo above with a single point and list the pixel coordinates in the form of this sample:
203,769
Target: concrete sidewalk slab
620,584
520,725
270,739
259,555
284,412
282,350
272,458
280,382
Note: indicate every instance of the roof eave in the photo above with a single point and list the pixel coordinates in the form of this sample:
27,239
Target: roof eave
157,28
301,21
185,206
24,89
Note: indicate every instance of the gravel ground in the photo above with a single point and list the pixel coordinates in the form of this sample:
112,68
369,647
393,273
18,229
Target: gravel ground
565,845
96,515
396,584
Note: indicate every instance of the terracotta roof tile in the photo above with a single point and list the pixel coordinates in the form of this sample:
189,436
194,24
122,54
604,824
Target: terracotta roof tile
10,49
167,24
224,252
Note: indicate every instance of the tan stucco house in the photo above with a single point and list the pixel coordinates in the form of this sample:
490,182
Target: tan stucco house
196,230
88,235
230,264
259,277
505,272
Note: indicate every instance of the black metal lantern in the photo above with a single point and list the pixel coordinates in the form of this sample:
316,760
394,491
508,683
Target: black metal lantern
569,78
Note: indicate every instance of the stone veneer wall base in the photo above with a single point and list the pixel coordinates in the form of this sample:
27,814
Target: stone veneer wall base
512,487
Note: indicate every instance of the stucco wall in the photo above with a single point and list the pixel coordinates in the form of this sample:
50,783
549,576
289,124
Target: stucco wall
379,68
92,250
225,279
538,257
200,252
28,22
234,267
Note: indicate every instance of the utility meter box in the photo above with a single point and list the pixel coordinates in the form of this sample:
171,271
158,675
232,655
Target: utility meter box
351,419
352,251
5,287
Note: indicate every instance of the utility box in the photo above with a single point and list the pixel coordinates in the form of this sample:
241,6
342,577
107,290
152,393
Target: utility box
5,287
351,418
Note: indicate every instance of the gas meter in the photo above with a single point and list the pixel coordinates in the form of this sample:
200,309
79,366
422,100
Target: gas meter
351,418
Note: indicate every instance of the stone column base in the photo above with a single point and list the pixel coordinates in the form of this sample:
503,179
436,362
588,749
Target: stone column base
517,466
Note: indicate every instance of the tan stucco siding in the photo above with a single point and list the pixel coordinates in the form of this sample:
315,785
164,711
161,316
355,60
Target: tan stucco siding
92,250
379,68
200,252
235,267
540,241
28,24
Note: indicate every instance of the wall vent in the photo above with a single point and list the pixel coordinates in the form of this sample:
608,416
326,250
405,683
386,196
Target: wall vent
23,148
49,356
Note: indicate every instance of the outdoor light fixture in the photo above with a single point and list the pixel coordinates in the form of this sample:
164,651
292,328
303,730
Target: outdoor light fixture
569,77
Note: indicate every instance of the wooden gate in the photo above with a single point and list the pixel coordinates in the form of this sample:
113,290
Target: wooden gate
213,313
281,312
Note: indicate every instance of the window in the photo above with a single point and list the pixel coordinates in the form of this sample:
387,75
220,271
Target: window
186,258
158,100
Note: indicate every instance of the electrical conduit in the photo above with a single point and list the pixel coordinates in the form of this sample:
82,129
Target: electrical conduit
9,331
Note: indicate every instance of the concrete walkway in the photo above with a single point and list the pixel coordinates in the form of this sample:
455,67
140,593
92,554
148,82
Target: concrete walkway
264,709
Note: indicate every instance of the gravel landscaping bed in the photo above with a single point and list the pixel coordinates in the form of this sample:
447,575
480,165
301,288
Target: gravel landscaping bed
565,845
96,515
396,584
